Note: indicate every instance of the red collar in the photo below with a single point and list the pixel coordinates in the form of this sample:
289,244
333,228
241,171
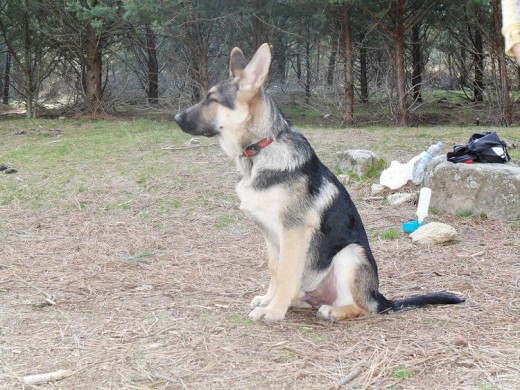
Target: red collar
254,149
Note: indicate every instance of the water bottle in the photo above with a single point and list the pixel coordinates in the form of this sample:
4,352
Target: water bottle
423,204
418,171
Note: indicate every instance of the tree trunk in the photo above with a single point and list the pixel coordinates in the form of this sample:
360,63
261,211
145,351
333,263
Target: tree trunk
417,63
93,72
308,68
29,96
463,77
332,65
348,118
507,109
27,67
298,66
153,66
450,72
402,105
478,58
7,79
363,79
279,58
199,73
198,46
257,26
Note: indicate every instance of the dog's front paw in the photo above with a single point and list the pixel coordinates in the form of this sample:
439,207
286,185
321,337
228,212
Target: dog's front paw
260,301
266,314
257,313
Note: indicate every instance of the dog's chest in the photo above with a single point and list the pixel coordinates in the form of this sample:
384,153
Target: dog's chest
265,206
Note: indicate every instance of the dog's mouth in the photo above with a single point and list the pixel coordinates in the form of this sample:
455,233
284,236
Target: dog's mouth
209,134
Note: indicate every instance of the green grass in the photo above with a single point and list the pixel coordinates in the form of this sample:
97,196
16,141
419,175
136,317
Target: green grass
140,257
486,386
375,171
390,234
434,211
119,161
401,373
223,221
240,320
168,205
285,356
465,213
87,157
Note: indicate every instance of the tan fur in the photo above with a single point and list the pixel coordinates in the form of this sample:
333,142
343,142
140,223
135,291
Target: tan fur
293,251
338,313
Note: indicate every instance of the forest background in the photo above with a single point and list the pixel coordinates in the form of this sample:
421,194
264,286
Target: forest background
353,62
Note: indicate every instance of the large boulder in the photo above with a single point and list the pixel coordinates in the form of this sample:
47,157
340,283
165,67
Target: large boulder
357,161
489,189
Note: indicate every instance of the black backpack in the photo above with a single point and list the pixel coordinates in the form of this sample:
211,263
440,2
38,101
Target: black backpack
484,147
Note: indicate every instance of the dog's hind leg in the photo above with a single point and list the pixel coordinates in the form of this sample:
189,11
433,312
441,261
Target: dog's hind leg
338,313
356,286
272,256
299,301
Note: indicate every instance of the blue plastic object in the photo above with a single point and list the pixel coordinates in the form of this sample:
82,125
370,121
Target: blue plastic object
411,226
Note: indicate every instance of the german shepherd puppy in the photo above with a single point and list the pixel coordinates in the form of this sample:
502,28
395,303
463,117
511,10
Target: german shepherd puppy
318,251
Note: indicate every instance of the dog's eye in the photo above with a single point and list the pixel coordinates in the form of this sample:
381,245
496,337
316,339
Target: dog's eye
210,98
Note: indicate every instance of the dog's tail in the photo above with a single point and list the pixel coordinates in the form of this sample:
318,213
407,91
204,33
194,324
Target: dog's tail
415,302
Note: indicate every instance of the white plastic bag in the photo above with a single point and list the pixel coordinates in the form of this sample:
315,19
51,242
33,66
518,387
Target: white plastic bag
397,174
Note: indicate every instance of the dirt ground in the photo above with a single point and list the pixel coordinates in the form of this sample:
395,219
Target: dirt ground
153,297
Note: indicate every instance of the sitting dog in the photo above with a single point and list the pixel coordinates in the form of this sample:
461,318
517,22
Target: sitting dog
318,250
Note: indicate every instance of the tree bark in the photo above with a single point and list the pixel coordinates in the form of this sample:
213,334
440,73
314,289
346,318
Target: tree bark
348,118
463,77
257,26
363,79
298,66
478,59
402,105
507,109
153,66
450,72
417,63
279,58
7,79
308,67
27,68
332,65
93,72
198,44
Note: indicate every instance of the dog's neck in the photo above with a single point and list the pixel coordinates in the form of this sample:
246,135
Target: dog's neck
253,149
266,119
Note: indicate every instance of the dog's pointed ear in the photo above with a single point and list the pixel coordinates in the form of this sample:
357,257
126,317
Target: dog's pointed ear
237,62
255,73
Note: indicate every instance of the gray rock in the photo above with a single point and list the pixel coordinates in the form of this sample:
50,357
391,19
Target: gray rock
192,141
344,179
358,161
490,189
376,189
399,198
